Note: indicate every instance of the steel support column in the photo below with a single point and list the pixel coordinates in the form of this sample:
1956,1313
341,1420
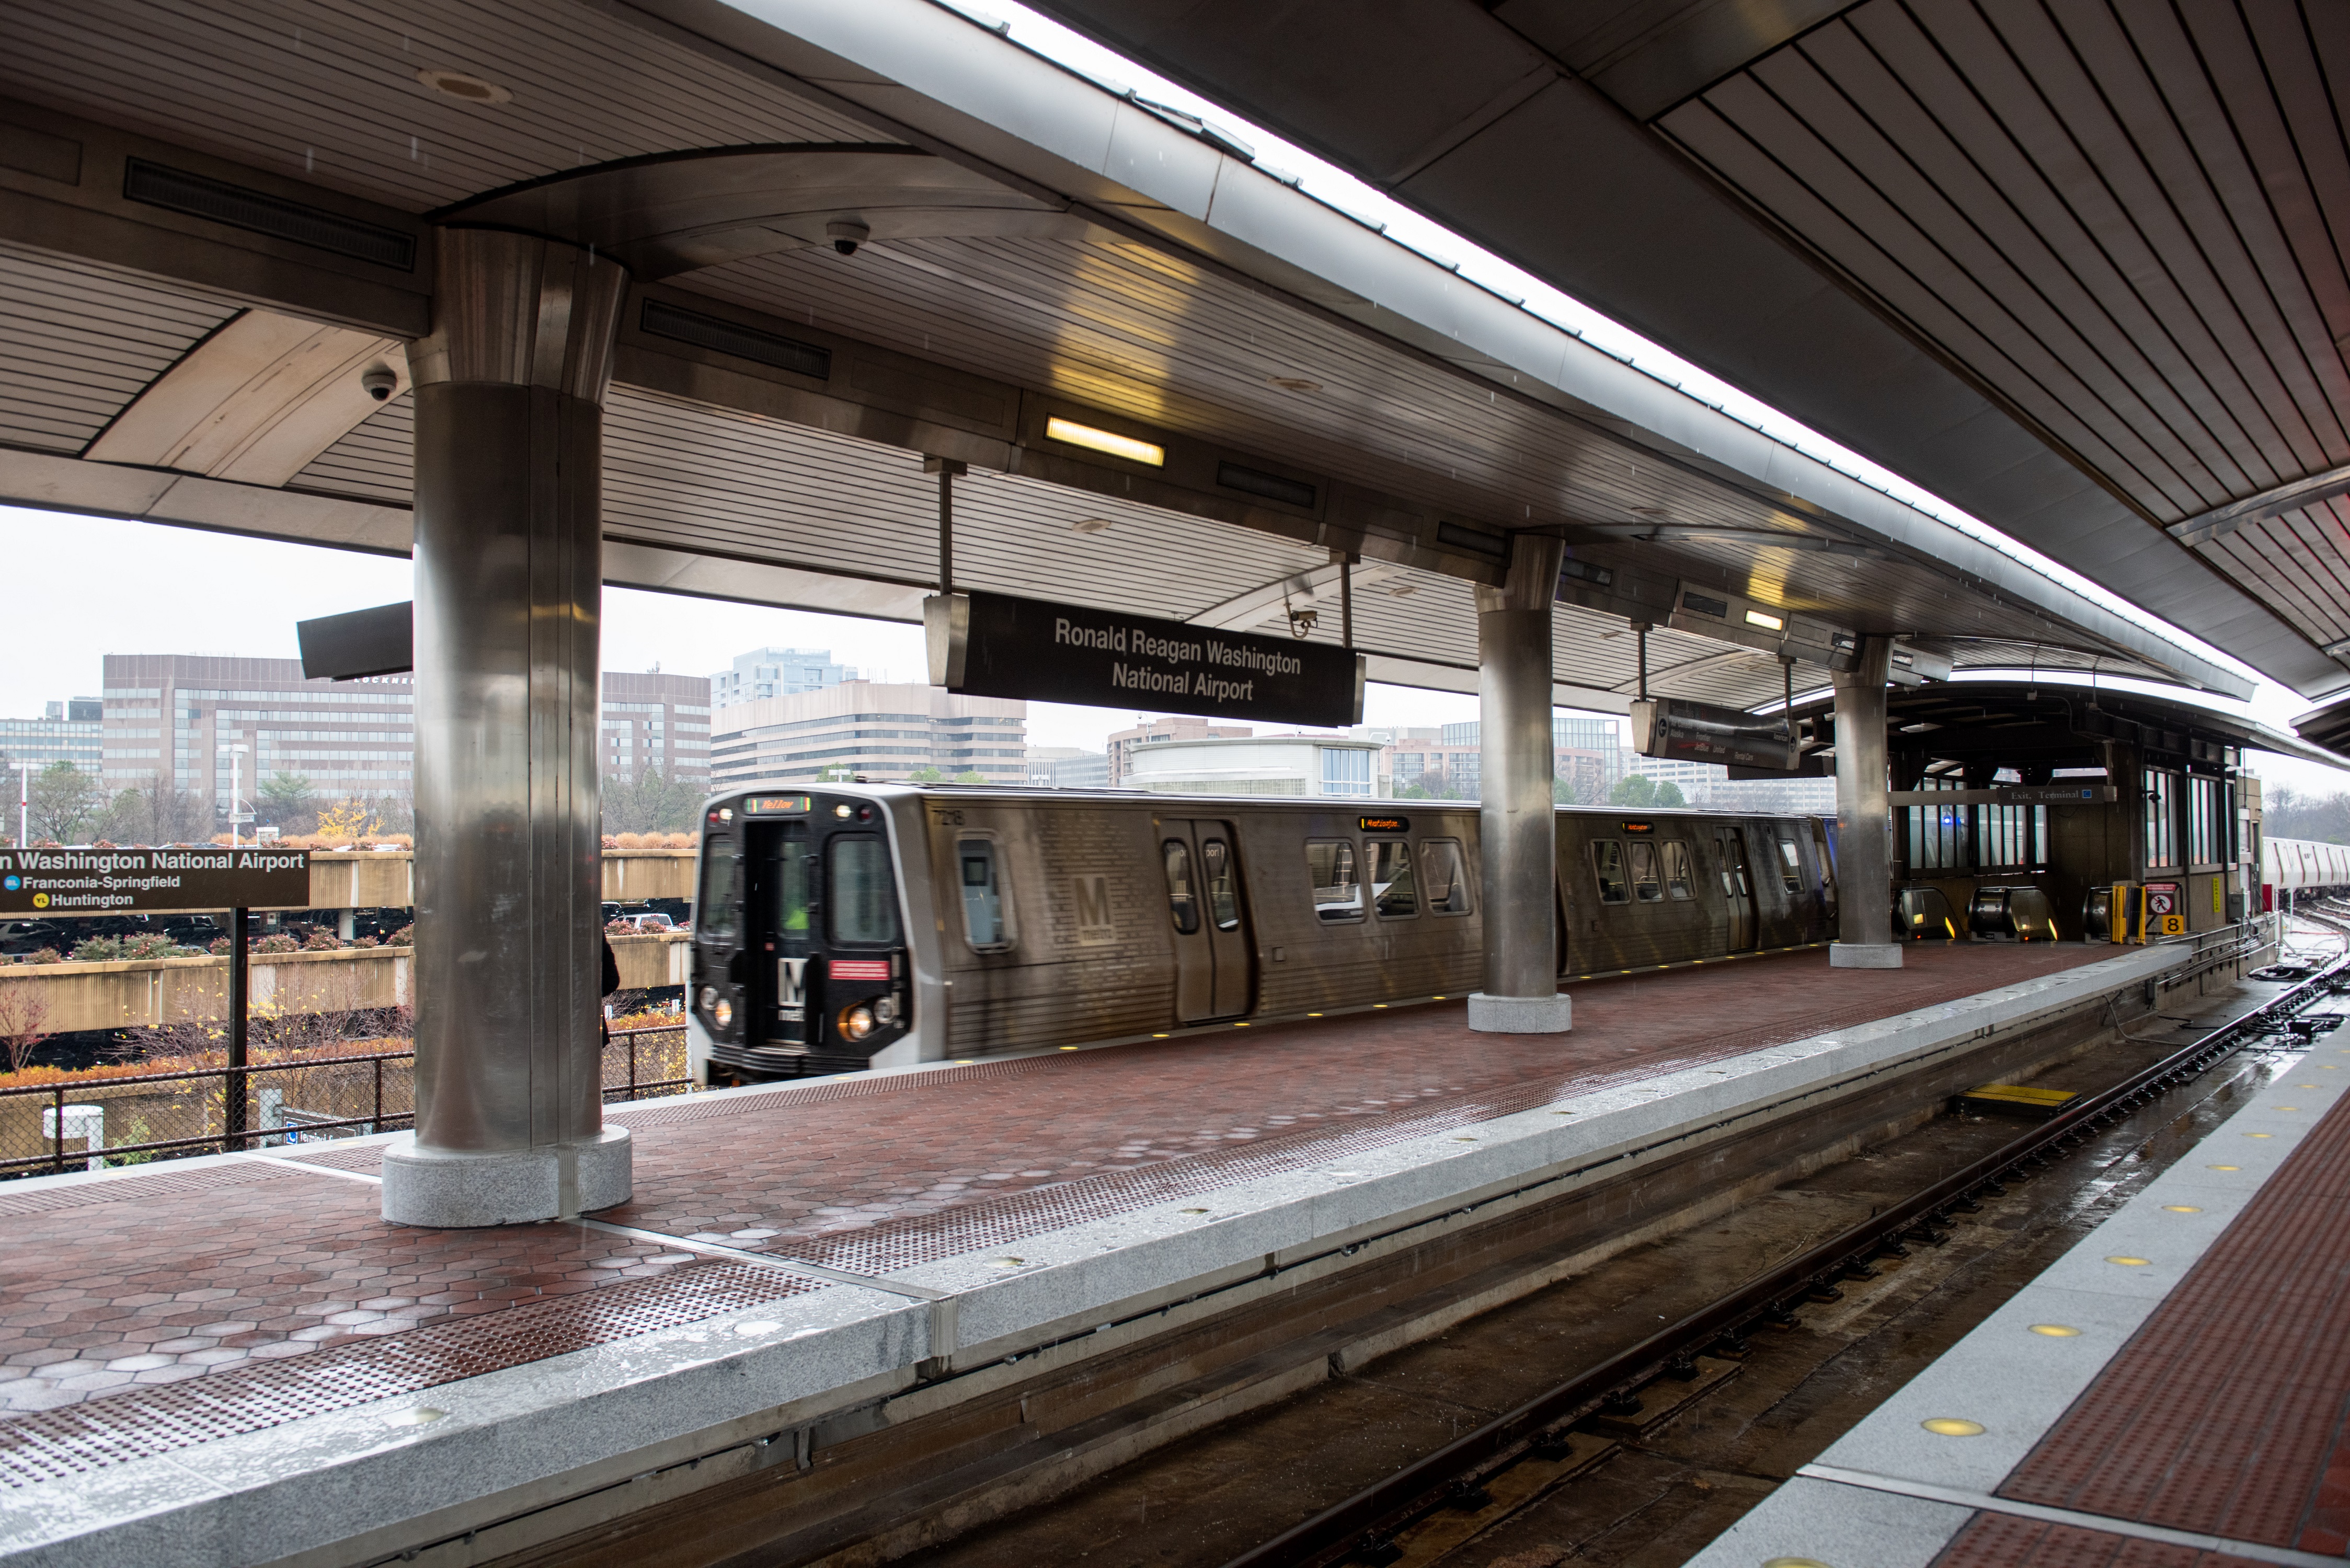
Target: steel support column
1863,815
1517,819
509,393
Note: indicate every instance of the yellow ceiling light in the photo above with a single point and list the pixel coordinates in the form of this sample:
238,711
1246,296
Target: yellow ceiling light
1110,441
1767,622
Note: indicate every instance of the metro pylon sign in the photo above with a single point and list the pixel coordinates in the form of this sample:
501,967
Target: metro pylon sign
111,881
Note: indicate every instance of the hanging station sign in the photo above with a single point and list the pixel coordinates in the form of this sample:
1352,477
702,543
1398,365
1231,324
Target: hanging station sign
114,881
1701,733
992,645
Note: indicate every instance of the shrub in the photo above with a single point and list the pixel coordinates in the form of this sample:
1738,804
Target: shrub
280,943
150,946
680,841
366,942
611,841
45,955
322,942
403,937
630,841
98,950
220,947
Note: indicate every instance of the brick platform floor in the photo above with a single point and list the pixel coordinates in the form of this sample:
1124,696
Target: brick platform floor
111,1289
2228,1413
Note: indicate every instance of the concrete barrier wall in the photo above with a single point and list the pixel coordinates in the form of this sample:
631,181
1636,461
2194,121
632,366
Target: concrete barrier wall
52,999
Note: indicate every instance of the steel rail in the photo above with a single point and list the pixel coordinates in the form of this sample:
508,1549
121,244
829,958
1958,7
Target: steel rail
1361,1524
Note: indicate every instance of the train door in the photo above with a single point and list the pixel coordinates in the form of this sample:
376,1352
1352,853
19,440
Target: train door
1737,888
1215,957
782,900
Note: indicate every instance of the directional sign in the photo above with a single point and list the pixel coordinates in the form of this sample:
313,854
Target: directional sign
106,881
1701,733
992,645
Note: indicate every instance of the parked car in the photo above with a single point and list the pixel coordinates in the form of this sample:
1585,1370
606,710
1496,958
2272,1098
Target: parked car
30,936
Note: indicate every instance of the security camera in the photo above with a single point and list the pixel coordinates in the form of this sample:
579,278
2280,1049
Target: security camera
379,381
847,234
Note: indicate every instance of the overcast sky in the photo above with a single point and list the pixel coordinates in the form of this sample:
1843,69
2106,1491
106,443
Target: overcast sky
88,587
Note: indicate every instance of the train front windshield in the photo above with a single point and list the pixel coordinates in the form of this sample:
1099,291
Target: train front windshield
799,952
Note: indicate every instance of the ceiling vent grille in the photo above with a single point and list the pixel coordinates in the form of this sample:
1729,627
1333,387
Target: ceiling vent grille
261,214
665,320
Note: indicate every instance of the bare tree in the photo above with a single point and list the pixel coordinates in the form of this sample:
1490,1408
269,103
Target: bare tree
23,1018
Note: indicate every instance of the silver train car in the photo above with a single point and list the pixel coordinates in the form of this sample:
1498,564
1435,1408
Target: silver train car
841,927
2302,868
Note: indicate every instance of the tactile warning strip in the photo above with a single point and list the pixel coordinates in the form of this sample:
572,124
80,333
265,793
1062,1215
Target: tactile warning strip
57,1445
2003,1541
367,1157
135,1189
2227,1411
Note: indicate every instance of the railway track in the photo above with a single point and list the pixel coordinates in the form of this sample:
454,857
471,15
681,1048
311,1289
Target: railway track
1410,1512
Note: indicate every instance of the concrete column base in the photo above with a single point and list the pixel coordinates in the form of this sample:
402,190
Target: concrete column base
1863,955
449,1188
1553,1015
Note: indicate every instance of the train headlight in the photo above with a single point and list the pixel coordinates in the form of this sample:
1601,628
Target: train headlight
858,1022
724,1013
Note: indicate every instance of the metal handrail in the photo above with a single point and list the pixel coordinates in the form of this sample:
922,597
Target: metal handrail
227,1139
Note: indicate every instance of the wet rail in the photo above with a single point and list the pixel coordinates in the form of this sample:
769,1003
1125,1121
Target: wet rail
1363,1527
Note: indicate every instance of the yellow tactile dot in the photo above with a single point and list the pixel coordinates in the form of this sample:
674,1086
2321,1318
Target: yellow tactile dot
2259,1134
2129,1262
2056,1330
2223,1167
2182,1209
1953,1427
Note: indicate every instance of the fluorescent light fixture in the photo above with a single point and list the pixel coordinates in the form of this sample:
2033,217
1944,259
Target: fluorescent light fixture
1767,622
1110,441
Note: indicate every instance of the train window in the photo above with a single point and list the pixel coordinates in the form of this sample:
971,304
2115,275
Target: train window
861,900
1791,869
1443,876
1647,885
1182,903
1338,894
793,894
1223,888
1393,891
1607,864
722,889
982,893
1679,882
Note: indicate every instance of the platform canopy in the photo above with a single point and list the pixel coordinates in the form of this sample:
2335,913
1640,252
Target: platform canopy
862,235
2079,268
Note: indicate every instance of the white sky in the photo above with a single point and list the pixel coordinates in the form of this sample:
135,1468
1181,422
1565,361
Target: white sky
167,590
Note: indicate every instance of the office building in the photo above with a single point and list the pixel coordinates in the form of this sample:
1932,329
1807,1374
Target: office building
775,672
173,717
1067,767
864,729
70,732
1151,732
656,722
1255,765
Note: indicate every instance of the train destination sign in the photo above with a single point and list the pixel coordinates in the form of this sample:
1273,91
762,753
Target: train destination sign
1701,733
994,645
1383,824
112,882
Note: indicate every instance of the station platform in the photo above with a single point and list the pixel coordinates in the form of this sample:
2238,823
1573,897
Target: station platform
2173,1392
233,1359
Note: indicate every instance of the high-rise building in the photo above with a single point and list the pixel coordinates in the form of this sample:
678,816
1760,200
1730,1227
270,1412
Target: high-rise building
656,722
170,718
775,672
70,732
1148,732
861,728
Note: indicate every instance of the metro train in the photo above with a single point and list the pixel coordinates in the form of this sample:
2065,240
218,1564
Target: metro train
841,927
2303,867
